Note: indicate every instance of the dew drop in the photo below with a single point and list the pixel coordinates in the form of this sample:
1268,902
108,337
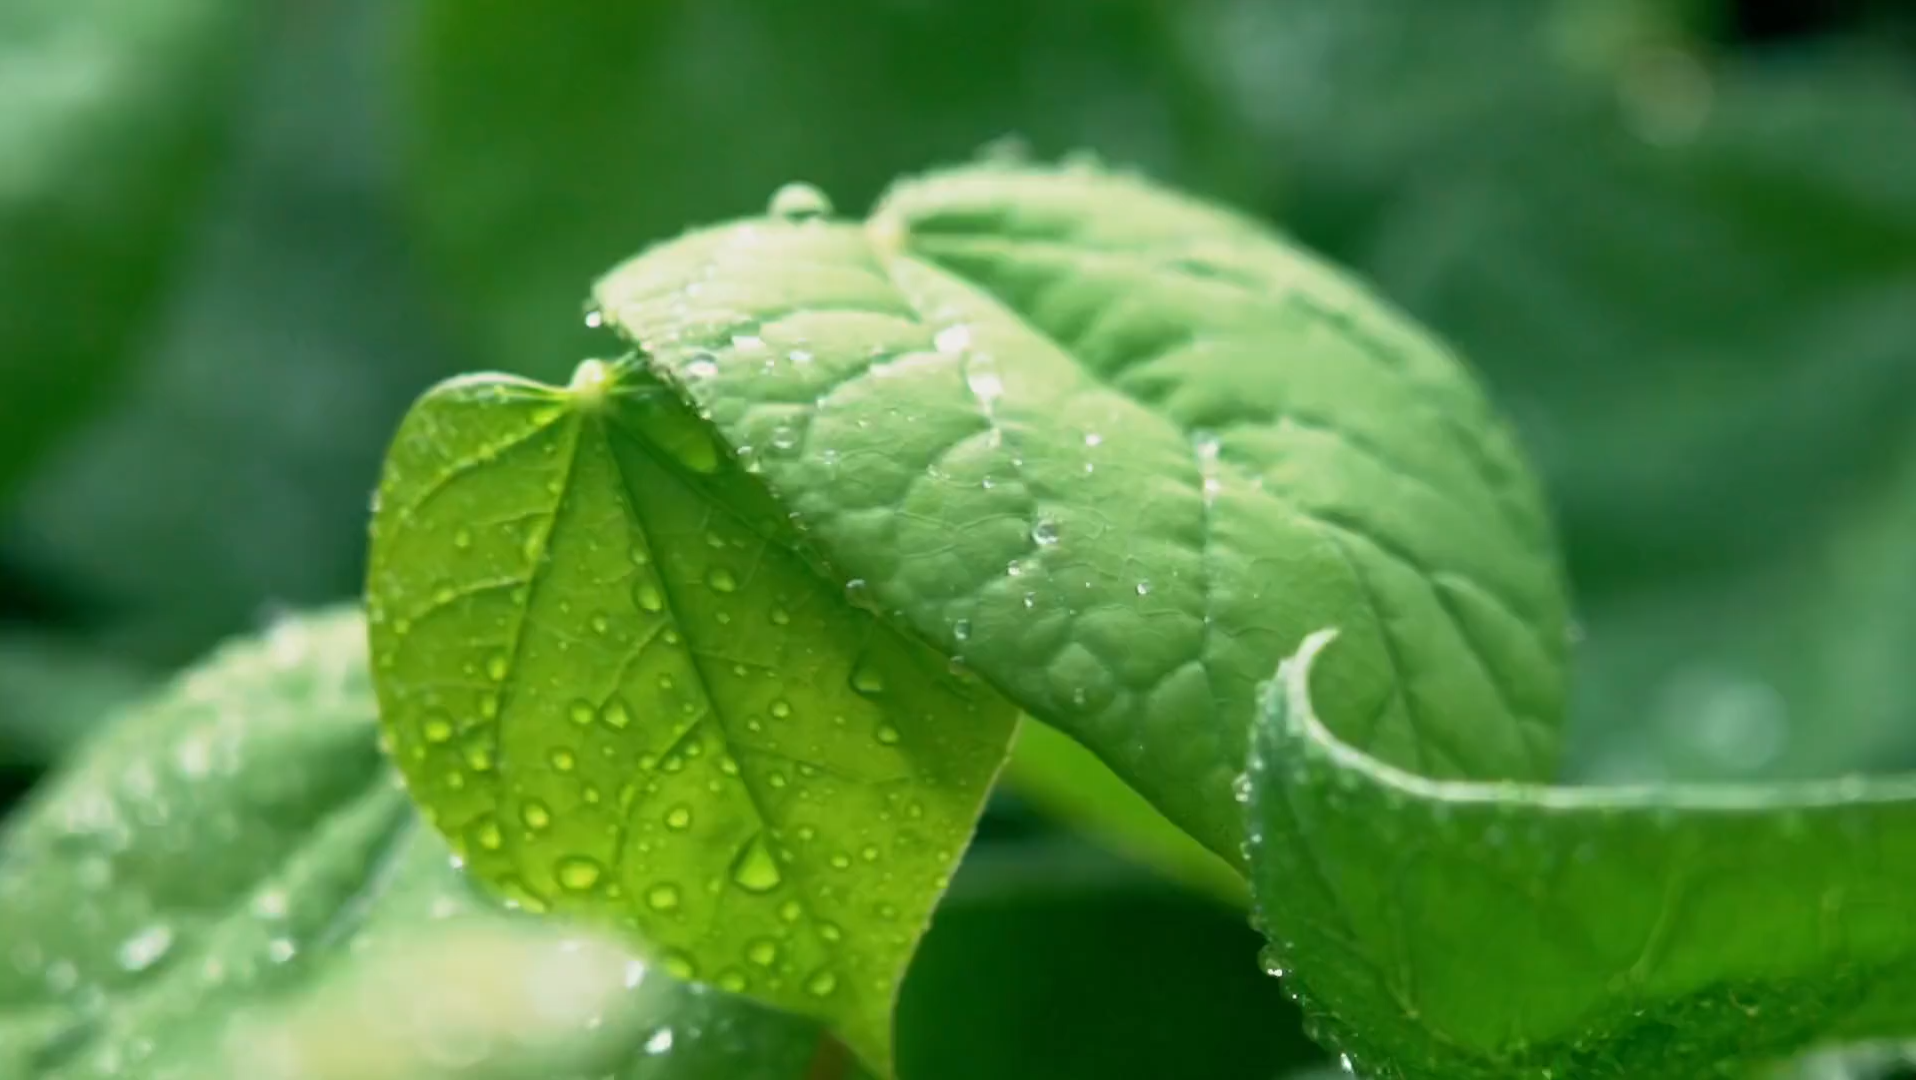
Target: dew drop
437,728
462,539
615,715
1045,532
662,897
790,911
578,873
732,982
496,668
781,709
721,580
535,815
755,870
780,617
1144,588
798,202
582,712
701,366
952,339
679,818
146,948
763,952
1092,438
961,630
822,983
866,680
887,734
858,593
488,835
647,596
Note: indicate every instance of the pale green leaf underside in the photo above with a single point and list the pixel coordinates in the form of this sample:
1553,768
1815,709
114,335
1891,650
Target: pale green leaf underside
1120,451
616,684
1451,929
229,877
1061,778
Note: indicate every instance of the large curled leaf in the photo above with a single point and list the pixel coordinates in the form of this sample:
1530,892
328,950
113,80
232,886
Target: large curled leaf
670,645
111,113
1115,449
1454,929
230,874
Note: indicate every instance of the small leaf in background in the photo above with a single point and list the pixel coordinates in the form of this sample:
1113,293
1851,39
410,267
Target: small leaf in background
613,679
112,116
1440,930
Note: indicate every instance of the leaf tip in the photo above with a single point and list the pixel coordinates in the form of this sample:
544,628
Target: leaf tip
592,383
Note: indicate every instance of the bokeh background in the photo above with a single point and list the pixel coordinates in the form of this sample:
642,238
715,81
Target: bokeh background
1676,237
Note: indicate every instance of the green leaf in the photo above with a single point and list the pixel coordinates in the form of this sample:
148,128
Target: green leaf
211,833
548,144
616,683
111,117
616,624
229,875
956,398
1464,929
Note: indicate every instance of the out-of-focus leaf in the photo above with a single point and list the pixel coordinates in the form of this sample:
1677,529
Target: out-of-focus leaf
230,880
185,859
436,982
53,692
111,117
1035,975
551,142
1060,777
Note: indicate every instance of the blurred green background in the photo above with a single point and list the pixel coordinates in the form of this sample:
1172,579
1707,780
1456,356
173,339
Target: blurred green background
1677,237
